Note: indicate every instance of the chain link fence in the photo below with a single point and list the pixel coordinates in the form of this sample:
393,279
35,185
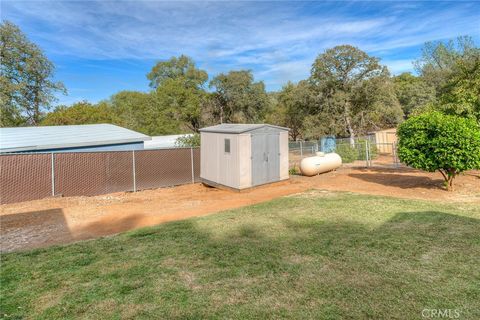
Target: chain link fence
26,177
361,152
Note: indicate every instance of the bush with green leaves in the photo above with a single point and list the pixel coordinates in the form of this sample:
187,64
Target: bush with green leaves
293,171
346,152
437,142
188,140
372,150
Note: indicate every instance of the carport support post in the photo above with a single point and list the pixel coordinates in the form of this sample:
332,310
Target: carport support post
53,174
133,170
191,158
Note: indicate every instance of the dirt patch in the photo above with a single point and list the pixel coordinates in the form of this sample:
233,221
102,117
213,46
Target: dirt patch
61,220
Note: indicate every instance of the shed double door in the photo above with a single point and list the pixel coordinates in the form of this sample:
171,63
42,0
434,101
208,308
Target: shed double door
265,158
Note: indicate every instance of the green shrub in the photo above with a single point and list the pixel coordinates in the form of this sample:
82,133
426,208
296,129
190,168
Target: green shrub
346,152
188,140
433,141
372,148
293,171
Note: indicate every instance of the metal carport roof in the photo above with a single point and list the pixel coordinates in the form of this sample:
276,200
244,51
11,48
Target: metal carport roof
59,137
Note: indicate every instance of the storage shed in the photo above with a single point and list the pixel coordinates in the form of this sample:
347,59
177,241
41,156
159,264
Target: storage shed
241,156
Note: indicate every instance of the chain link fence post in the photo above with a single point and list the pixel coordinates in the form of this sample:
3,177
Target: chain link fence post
366,153
133,171
191,160
394,153
53,174
301,149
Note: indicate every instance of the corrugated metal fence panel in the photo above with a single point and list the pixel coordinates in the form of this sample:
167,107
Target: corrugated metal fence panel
25,177
163,168
93,173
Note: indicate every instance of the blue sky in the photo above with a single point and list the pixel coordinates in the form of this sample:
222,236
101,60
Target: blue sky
102,47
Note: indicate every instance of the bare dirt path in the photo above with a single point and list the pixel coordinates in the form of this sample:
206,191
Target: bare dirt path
62,220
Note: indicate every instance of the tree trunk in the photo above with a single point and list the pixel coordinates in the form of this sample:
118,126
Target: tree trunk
294,134
350,131
348,122
450,184
449,175
36,104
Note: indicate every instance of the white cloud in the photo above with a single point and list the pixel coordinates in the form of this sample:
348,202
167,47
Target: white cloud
277,40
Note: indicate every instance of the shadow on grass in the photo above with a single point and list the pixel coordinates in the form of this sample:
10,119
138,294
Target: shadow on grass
108,226
402,181
300,268
33,229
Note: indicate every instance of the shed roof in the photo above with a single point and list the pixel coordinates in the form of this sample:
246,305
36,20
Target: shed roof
59,137
238,127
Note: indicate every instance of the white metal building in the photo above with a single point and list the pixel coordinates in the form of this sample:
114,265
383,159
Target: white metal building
241,156
72,138
167,141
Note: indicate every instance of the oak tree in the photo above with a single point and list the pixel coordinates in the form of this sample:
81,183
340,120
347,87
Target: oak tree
26,78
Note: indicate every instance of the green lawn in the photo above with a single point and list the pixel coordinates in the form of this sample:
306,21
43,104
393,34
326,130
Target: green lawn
315,255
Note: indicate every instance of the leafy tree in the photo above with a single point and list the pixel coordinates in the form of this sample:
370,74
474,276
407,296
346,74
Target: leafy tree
26,85
182,68
434,141
181,104
274,113
452,67
237,98
292,106
141,112
461,93
10,115
412,92
188,140
320,124
354,90
376,104
81,113
439,58
131,108
180,92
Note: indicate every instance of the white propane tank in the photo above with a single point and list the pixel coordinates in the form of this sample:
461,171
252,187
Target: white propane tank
320,163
